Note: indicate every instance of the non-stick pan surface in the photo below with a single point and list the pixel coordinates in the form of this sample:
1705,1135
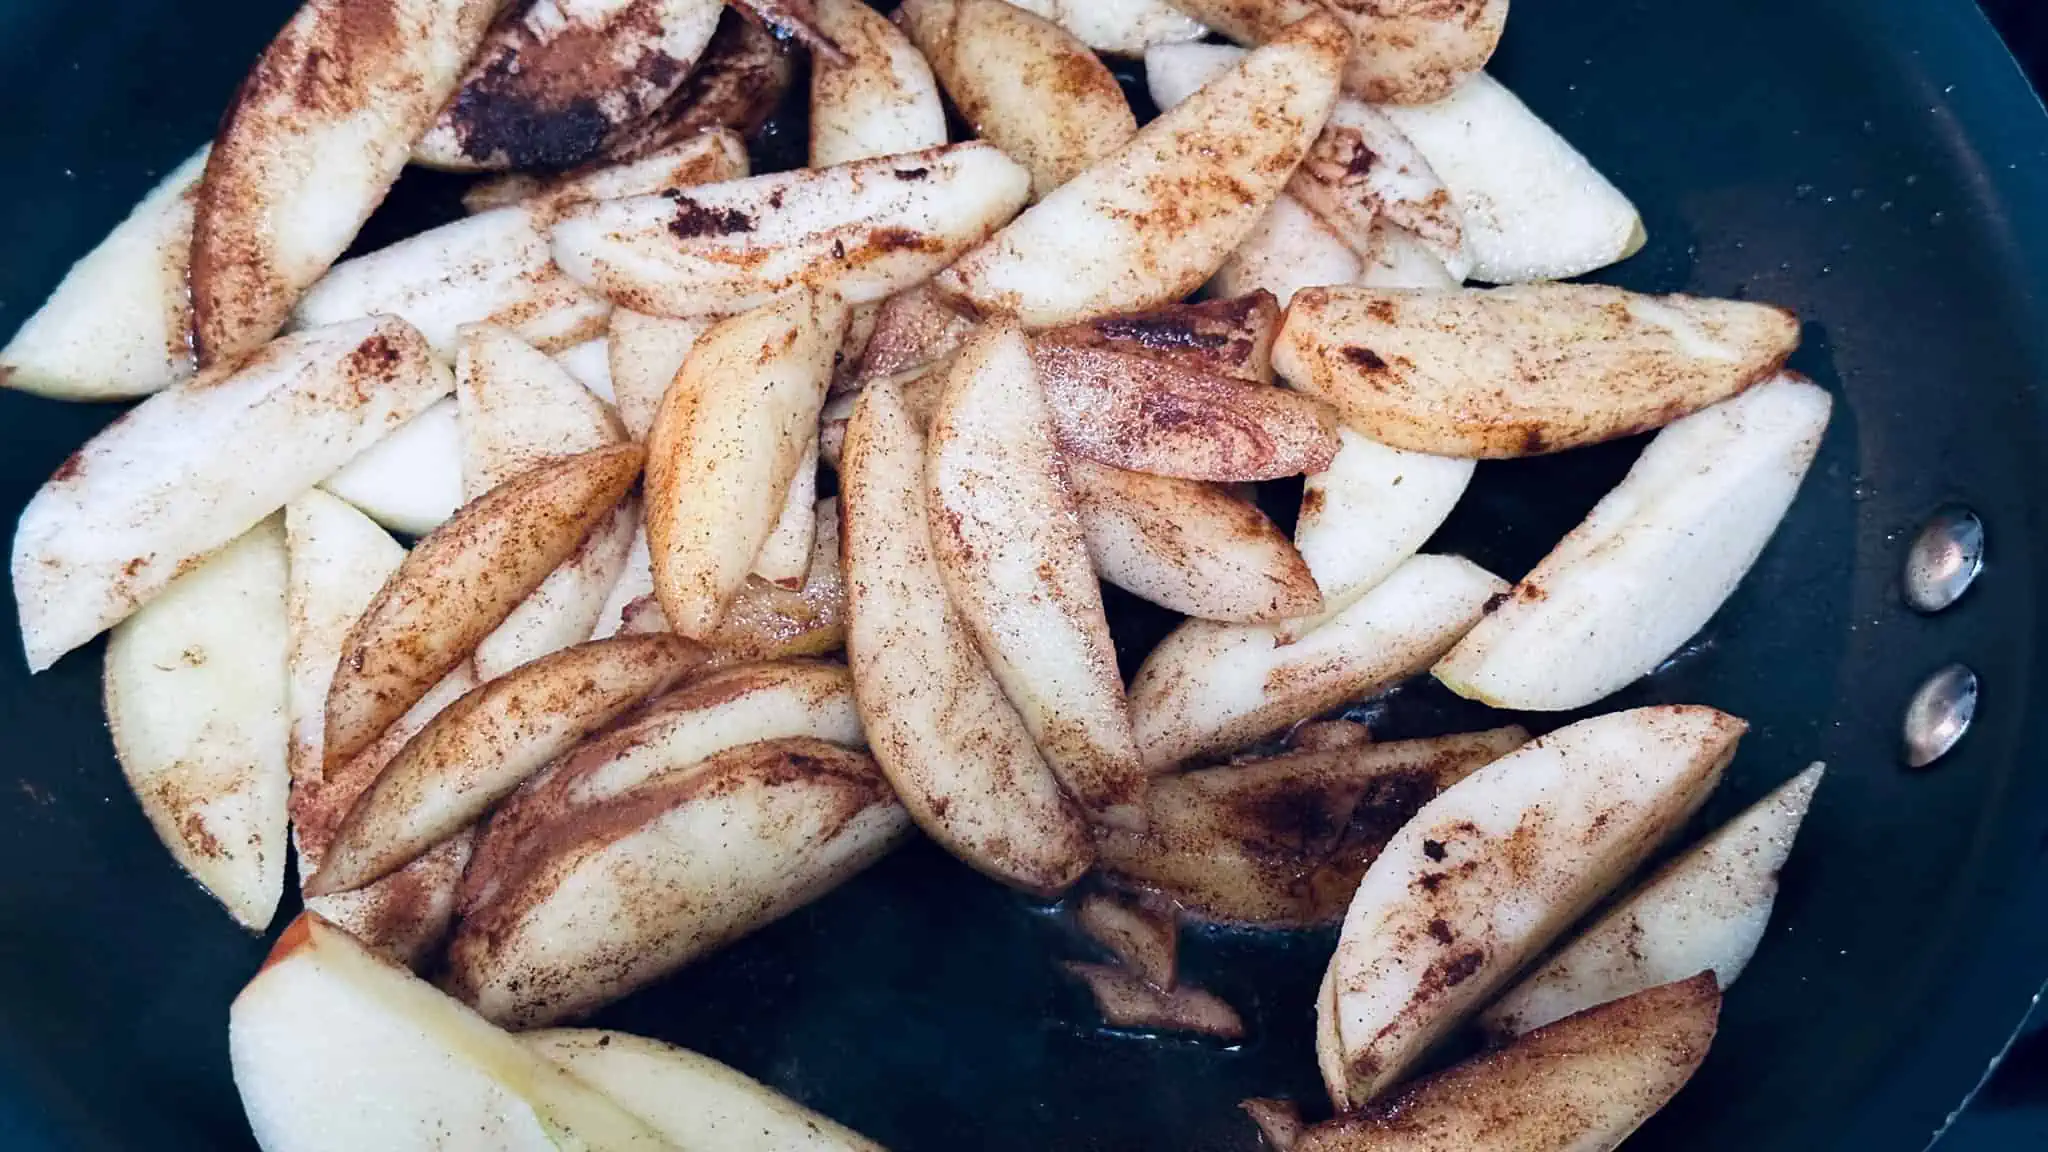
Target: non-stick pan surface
1879,165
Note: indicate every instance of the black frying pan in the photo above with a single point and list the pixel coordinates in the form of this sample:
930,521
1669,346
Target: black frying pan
1880,165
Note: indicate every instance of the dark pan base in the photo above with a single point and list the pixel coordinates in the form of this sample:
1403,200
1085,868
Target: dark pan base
1878,164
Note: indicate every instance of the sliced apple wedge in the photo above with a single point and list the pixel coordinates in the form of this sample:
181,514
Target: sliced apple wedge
1147,224
1396,258
785,557
693,1100
1533,207
881,100
636,580
491,268
1015,563
712,158
955,749
767,621
459,584
1705,910
1119,27
1525,370
646,353
326,1027
1365,514
915,331
195,698
411,480
1212,687
1653,561
153,493
1490,872
1149,415
1279,1121
863,230
1144,935
1282,841
1127,1001
551,83
634,888
1227,337
119,324
1190,547
590,364
1584,1084
1405,52
308,148
727,441
477,750
1027,85
738,83
1289,249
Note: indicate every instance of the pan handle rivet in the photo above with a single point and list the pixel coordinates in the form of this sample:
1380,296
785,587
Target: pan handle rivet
1944,559
1939,714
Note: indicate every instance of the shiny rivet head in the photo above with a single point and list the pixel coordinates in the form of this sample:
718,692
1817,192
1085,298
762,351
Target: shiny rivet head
1940,713
1944,559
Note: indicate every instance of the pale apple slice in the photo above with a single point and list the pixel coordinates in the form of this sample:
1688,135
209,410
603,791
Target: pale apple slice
1329,1046
1149,415
1493,870
1583,1084
1213,687
460,583
864,230
1011,552
1144,935
632,889
1653,561
1533,207
1322,735
1119,27
646,353
1279,1121
478,749
1289,249
853,348
155,492
915,331
1282,841
1190,547
693,1100
590,364
195,698
1405,52
955,749
1365,514
520,409
1525,370
551,83
1126,1000
636,580
1704,911
712,158
881,100
308,148
120,323
411,480
785,557
333,1048
1396,258
1027,85
726,443
491,268
738,83
1148,223
1227,337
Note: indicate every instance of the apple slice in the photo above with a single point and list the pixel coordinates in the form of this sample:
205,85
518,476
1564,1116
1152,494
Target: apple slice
957,752
1705,910
1187,546
153,493
636,580
411,480
632,889
915,330
785,557
195,697
1013,558
1027,85
726,443
119,324
1127,1001
477,750
1147,224
460,583
1329,1046
308,148
1365,514
693,1100
326,1028
712,158
590,363
1119,27
1525,370
1653,561
1533,207
1397,258
551,83
1227,337
770,622
1289,249
1322,735
1282,841
1279,1121
1149,415
492,268
1583,1084
1213,687
646,353
1144,935
1490,872
881,100
863,230
738,83
1405,53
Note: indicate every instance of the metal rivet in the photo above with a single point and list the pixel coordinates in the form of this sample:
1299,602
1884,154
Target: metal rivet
1944,559
1940,713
